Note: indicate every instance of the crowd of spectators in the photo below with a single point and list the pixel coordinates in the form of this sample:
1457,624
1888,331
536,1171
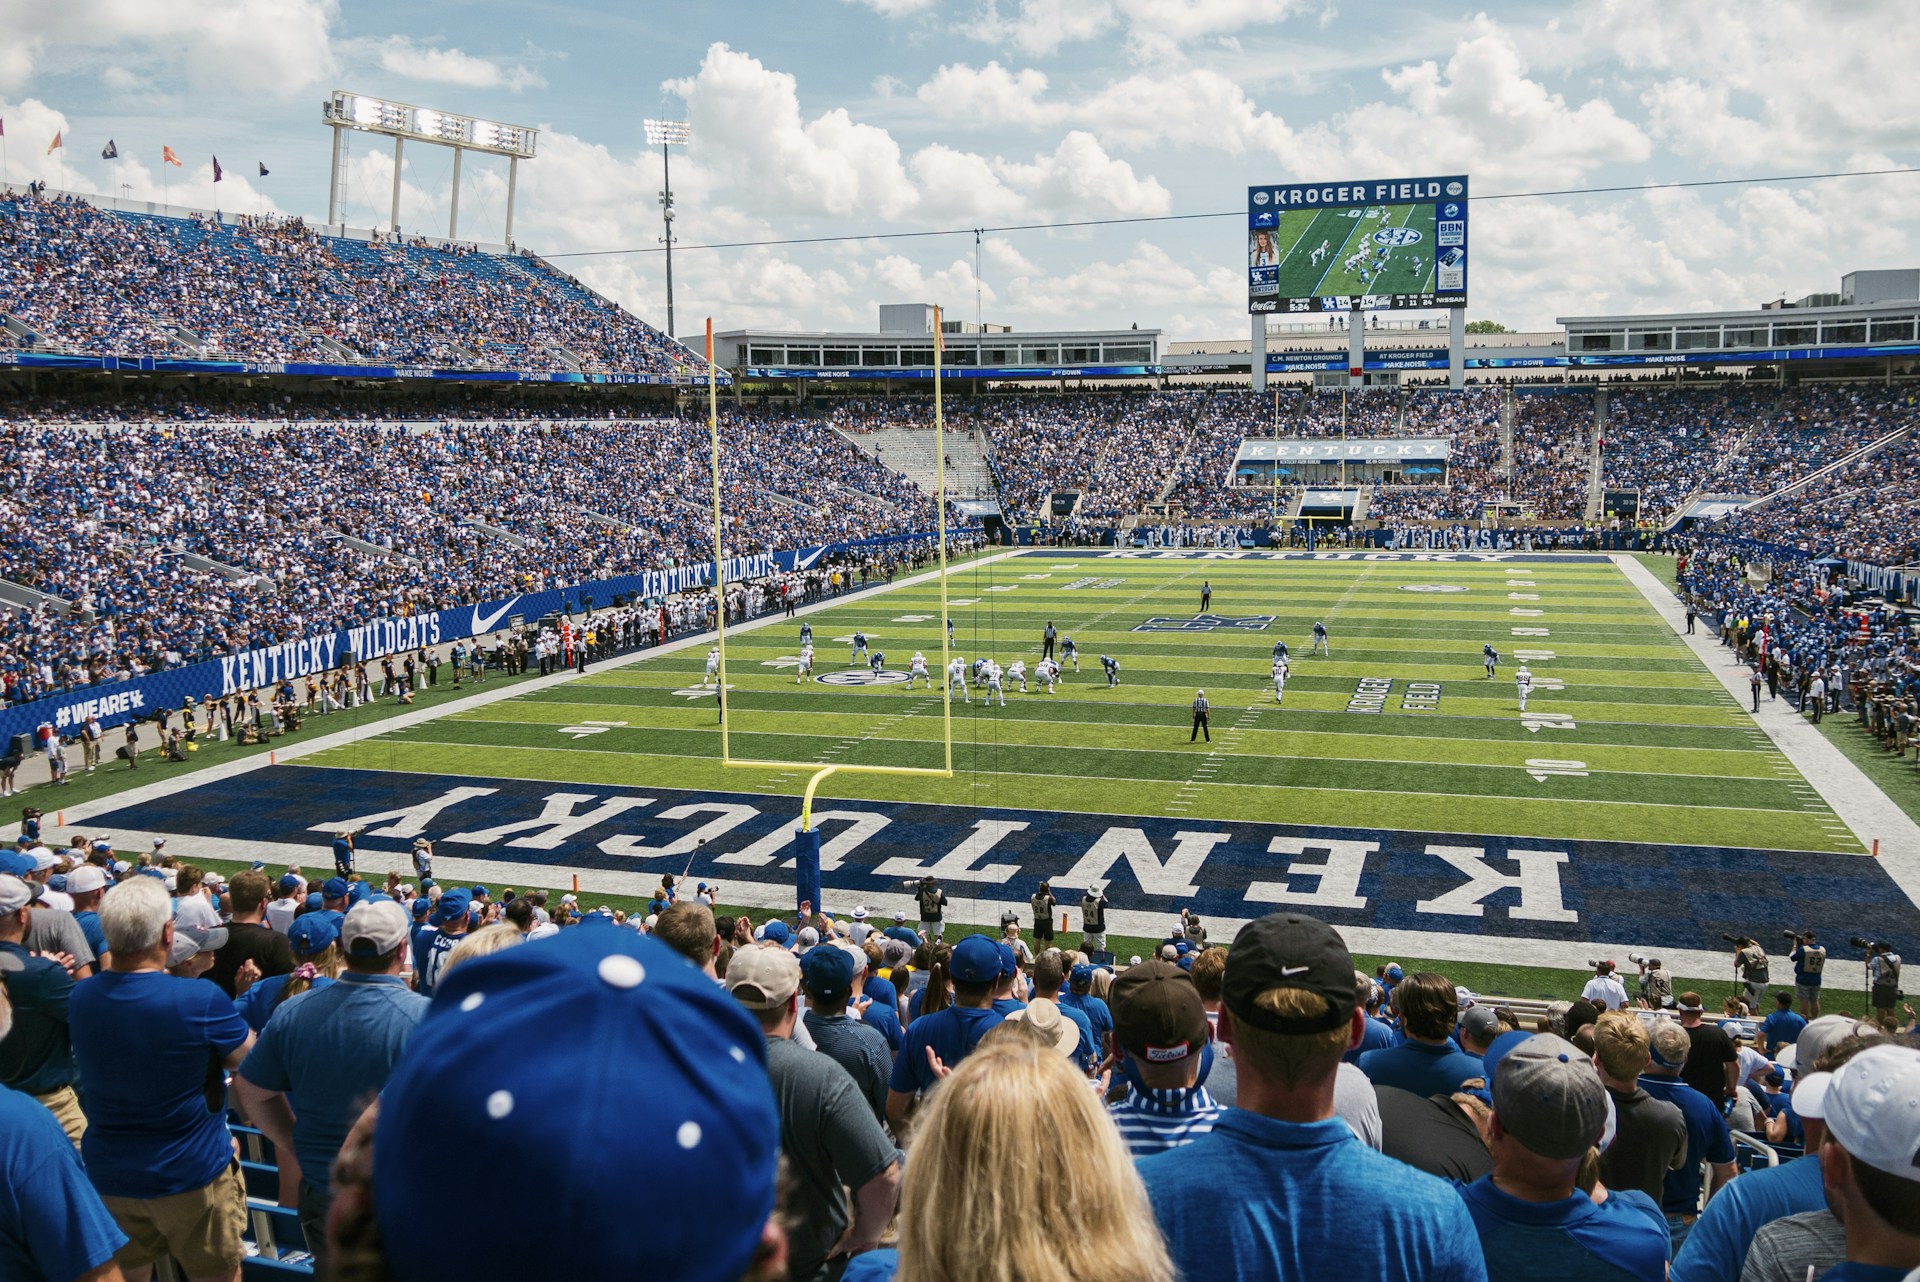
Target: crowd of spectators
174,539
863,1100
88,280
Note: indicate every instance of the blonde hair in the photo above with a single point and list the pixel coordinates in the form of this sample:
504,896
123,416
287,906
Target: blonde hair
487,939
979,1193
1291,1058
1620,1044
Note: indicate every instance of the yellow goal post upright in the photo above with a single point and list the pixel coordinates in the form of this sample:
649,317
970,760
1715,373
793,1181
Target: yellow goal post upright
806,849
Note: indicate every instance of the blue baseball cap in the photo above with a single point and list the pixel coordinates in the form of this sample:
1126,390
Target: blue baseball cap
1009,960
291,882
776,932
642,1025
976,960
454,903
312,933
422,906
596,918
359,892
314,900
478,891
827,970
15,864
1395,974
335,888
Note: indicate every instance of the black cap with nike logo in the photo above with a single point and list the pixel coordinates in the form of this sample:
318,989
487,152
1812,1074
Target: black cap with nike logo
1288,950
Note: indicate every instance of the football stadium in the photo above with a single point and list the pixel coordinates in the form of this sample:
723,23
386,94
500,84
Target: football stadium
498,749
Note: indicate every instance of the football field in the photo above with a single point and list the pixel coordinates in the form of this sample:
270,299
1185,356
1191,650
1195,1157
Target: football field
1346,232
1397,791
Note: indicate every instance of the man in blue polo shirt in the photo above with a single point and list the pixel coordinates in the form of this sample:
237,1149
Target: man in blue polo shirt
1716,1249
951,1034
1281,1188
1549,1109
1708,1139
1426,1062
149,1045
1783,1026
1079,996
329,1051
52,1225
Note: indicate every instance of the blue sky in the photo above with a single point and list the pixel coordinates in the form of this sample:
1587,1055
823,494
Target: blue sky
838,117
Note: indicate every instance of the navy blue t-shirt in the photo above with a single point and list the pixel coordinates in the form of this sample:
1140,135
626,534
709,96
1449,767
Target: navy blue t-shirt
149,1046
953,1033
1377,1035
1421,1067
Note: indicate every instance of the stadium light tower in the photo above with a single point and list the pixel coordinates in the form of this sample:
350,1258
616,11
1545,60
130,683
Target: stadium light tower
668,133
401,121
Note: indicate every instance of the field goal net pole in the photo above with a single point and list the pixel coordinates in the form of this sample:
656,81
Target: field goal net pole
806,844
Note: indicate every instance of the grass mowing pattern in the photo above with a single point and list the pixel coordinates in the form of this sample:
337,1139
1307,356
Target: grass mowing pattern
1666,755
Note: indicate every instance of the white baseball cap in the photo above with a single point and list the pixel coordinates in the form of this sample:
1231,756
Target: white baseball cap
1873,1109
1810,1095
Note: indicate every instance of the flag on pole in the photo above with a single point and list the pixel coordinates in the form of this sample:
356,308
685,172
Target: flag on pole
110,151
166,154
56,144
216,169
263,168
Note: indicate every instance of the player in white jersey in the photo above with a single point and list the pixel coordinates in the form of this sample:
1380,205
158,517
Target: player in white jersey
917,667
993,683
713,665
805,668
1017,671
1047,673
957,677
857,648
1523,685
1280,670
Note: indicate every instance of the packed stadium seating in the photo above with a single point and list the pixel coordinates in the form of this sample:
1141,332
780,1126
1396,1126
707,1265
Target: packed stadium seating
84,279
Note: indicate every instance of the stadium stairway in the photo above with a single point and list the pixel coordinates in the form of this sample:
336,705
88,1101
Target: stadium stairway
910,452
1838,466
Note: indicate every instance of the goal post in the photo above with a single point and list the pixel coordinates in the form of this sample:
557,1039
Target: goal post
807,839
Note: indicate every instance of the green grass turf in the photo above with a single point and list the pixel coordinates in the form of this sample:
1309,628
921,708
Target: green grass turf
1506,981
1300,232
1667,754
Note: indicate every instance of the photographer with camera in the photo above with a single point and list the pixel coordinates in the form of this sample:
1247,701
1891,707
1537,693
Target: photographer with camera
1605,989
1656,985
1809,960
1750,967
1883,977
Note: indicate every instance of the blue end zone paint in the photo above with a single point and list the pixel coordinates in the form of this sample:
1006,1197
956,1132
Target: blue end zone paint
1630,894
1228,554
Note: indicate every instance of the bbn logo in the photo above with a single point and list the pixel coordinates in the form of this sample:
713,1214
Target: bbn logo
861,677
1208,623
1397,236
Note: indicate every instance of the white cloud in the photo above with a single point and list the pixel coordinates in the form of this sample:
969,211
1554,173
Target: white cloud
403,57
269,47
895,8
1040,27
1081,178
991,95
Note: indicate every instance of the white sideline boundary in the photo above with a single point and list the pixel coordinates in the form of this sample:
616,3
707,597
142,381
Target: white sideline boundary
1857,800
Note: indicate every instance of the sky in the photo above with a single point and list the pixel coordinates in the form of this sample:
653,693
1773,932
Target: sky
862,118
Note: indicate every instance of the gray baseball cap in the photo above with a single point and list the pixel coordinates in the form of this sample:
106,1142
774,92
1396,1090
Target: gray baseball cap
1820,1036
1548,1096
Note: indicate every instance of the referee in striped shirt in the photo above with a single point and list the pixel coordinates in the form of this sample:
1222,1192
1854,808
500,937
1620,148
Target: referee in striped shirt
1201,708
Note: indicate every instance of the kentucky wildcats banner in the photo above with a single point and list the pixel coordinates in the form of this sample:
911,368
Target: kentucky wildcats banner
116,703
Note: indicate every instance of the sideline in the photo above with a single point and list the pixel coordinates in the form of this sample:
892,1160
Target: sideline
1859,802
79,814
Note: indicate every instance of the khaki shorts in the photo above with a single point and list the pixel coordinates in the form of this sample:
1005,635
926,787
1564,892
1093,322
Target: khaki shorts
65,1107
200,1229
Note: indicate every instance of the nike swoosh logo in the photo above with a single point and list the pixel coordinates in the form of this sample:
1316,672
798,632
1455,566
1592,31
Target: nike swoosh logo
1288,972
487,624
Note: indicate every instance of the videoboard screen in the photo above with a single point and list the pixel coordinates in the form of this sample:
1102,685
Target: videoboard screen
1379,246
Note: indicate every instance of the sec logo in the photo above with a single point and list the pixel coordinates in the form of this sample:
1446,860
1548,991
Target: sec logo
1397,236
1419,587
861,677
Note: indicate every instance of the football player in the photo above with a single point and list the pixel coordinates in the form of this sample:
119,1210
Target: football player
1112,667
1017,671
1071,653
805,669
957,677
857,650
917,668
1523,685
1280,670
1491,658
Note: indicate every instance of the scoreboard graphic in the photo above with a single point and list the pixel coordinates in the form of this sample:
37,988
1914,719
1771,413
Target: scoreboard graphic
1393,244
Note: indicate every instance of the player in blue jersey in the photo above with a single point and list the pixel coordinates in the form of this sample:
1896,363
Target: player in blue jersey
1491,658
1071,653
1112,667
857,650
878,662
1320,646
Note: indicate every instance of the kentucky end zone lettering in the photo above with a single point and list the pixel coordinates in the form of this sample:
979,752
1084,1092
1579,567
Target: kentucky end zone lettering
1207,623
1519,887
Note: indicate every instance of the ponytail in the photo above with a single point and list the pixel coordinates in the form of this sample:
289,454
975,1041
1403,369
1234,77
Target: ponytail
325,962
938,995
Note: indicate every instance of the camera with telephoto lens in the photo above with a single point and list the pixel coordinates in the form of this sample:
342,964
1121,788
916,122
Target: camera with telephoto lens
1731,939
1638,959
1860,941
1791,934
